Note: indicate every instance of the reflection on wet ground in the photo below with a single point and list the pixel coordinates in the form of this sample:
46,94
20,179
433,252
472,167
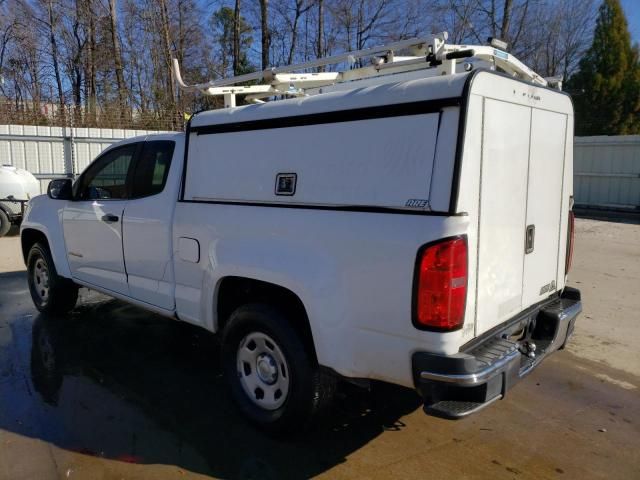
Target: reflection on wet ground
112,392
112,381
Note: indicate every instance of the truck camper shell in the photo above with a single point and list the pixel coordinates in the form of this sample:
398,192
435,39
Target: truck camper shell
480,145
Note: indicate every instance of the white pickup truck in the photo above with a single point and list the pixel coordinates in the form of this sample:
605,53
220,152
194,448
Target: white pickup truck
415,232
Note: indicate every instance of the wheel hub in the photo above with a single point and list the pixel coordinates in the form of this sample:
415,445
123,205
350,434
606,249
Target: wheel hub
41,279
263,371
267,368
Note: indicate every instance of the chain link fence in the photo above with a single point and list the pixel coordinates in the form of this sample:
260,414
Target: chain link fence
56,115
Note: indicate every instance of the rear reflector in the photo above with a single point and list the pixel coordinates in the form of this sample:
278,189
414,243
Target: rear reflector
570,239
440,285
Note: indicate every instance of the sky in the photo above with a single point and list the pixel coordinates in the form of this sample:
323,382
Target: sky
632,11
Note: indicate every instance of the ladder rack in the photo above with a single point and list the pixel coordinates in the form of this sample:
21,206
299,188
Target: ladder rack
431,54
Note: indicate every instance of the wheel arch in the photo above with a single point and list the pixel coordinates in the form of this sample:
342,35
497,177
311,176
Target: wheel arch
29,236
234,291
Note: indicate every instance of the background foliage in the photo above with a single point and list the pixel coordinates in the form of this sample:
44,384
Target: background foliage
607,86
107,62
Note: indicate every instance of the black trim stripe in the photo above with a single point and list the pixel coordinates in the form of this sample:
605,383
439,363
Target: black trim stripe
338,116
335,208
462,129
183,180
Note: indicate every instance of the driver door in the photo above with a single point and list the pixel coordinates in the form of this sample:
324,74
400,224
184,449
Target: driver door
92,222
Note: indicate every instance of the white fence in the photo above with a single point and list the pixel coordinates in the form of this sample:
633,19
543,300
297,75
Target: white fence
607,171
53,152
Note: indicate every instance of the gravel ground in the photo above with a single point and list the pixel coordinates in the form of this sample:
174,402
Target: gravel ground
606,269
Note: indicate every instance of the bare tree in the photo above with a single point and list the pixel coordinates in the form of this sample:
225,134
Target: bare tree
112,60
265,33
320,39
236,38
117,57
291,12
51,24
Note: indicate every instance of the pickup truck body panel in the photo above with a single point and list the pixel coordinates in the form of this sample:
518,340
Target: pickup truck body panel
94,247
45,216
148,229
336,264
442,157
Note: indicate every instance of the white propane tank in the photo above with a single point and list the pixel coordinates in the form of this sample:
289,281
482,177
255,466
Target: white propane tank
17,183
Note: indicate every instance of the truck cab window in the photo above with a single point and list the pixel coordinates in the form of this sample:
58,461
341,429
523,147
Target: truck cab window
107,177
152,168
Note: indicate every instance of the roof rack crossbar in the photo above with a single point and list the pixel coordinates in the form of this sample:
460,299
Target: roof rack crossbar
430,52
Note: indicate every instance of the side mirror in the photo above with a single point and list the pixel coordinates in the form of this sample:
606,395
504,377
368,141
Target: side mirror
60,189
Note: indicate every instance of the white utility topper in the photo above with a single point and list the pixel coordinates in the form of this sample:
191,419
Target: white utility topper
407,221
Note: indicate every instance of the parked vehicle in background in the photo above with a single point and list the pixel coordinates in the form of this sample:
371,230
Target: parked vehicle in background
414,231
17,186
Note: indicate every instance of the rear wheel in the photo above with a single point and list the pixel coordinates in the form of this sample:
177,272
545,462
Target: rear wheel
274,380
5,224
50,292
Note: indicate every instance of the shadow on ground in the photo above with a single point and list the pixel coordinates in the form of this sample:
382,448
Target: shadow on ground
631,217
113,381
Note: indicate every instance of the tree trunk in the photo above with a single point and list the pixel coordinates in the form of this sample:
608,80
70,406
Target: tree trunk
90,76
506,20
236,38
294,35
76,67
117,56
166,39
319,49
266,36
55,56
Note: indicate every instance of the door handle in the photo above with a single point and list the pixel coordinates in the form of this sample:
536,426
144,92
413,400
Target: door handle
109,218
530,237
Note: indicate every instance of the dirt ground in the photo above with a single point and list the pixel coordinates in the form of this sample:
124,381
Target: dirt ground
113,392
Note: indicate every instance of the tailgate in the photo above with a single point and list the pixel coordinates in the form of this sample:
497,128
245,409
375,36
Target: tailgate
520,214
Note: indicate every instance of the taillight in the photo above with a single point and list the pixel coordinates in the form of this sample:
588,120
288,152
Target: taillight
440,288
570,238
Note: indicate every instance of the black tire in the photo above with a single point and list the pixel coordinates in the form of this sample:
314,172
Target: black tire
309,389
50,292
5,224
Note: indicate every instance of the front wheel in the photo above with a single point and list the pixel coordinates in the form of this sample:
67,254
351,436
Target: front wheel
274,380
50,292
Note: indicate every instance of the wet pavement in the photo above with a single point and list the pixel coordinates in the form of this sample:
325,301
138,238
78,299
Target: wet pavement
111,391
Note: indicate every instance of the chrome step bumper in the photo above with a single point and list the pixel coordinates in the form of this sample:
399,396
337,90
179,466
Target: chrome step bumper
481,373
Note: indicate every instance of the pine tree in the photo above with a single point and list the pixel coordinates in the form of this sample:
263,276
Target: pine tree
606,89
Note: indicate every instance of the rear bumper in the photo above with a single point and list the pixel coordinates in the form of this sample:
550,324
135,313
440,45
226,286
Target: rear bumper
482,372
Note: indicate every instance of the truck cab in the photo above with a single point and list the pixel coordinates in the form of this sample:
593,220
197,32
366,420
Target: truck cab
127,191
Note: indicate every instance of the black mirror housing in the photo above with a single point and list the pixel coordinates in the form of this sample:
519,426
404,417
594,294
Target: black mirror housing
60,189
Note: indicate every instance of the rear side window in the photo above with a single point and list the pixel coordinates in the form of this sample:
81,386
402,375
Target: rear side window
152,168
